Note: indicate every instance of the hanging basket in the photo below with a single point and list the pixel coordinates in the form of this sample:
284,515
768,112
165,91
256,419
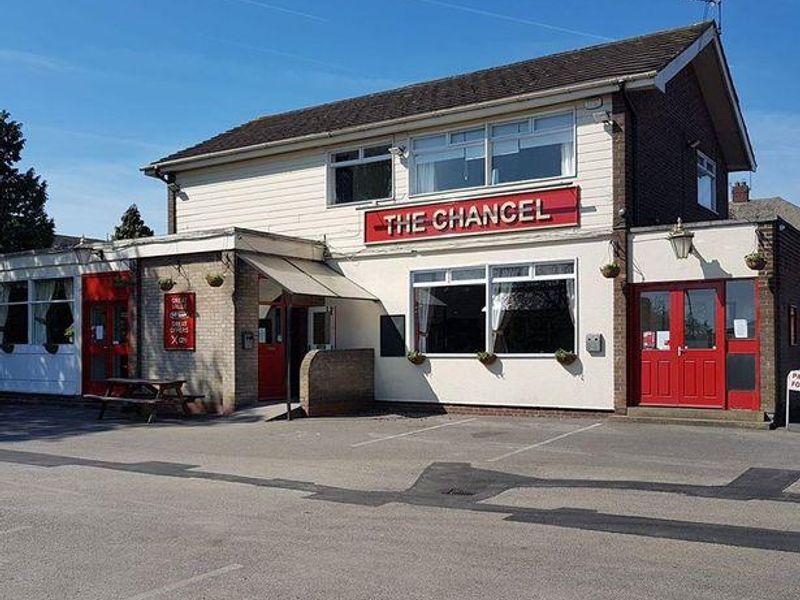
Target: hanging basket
611,270
166,283
565,357
487,358
416,358
756,260
215,280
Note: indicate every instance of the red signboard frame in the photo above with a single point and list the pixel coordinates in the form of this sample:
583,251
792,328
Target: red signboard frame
179,321
492,214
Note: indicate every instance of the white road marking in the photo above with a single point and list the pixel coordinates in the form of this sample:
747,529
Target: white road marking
185,582
15,529
542,443
399,435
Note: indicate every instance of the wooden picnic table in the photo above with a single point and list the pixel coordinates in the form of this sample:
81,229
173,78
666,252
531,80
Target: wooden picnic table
144,392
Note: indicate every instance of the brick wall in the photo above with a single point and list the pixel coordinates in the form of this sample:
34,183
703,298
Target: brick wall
767,286
246,320
209,368
788,286
335,382
666,166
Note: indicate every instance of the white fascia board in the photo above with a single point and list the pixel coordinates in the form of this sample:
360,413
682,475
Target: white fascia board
709,36
403,124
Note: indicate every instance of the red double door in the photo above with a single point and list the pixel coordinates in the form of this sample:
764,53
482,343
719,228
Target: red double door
682,336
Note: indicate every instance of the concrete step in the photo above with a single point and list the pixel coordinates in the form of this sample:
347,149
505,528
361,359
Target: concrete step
274,410
696,413
741,424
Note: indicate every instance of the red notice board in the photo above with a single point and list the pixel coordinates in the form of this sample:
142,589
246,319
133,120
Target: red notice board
179,321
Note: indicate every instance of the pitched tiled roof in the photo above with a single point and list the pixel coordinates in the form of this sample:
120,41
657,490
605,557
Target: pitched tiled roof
760,210
616,59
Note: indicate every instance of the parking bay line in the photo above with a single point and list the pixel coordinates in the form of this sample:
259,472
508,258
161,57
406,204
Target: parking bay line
399,435
542,443
185,582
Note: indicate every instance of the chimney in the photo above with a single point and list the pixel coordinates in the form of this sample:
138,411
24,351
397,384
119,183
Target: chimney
741,192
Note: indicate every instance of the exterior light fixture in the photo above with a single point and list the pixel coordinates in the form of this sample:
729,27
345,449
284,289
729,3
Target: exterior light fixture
398,151
85,252
681,241
602,116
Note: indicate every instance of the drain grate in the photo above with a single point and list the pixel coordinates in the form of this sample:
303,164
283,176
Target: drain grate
458,492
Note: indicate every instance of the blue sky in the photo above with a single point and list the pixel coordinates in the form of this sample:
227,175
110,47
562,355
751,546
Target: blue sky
105,87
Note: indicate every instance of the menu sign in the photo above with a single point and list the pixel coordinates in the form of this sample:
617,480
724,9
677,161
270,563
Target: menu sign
179,321
510,212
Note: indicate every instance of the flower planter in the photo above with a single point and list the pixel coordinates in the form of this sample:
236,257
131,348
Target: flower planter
7,347
215,280
755,261
610,270
50,348
416,358
487,358
565,357
166,284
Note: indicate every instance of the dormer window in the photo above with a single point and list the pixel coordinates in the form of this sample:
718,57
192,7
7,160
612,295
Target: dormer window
706,182
361,174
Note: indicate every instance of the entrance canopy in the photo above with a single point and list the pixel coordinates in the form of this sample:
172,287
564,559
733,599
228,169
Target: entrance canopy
308,277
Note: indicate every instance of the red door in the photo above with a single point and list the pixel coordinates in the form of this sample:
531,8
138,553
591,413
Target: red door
271,352
682,345
106,345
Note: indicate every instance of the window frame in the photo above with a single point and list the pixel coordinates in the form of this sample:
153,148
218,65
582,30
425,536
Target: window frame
32,302
29,312
488,141
488,281
332,165
702,157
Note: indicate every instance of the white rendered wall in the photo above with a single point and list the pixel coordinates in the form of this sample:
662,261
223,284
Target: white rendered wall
718,254
529,382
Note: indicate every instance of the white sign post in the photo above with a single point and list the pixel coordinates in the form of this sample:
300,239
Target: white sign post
792,385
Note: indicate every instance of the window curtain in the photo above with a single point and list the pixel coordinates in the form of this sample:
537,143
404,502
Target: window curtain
5,293
45,290
500,304
567,158
571,300
426,177
423,317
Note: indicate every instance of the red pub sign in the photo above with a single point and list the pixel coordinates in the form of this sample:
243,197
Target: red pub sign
510,212
179,321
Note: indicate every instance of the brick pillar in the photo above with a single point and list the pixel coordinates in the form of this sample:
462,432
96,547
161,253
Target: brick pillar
245,303
767,296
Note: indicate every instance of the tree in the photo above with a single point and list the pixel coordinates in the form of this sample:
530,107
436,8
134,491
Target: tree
131,226
24,224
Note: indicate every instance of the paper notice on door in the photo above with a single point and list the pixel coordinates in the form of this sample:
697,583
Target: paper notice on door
662,340
648,340
740,329
99,333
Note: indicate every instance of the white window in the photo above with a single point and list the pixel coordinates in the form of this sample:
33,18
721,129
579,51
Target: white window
14,312
361,174
52,311
706,182
449,161
537,147
531,309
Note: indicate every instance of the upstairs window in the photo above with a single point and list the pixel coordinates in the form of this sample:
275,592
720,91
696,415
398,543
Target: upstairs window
362,174
14,312
449,161
706,182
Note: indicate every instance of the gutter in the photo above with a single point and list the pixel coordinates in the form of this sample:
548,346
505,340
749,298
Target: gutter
608,85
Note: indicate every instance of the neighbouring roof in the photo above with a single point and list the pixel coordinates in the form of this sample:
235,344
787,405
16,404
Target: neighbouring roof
760,210
625,58
69,241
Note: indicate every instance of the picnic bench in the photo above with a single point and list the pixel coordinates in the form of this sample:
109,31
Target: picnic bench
151,393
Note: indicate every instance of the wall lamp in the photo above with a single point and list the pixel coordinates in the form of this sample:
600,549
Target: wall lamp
681,241
85,252
602,116
398,151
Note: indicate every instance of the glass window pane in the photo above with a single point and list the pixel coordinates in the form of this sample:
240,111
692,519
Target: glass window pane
358,183
465,274
14,324
740,311
14,291
429,142
552,122
513,162
120,324
705,190
382,150
741,372
450,169
533,317
345,156
450,319
52,289
429,276
53,323
654,320
699,318
550,269
511,271
472,135
510,128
